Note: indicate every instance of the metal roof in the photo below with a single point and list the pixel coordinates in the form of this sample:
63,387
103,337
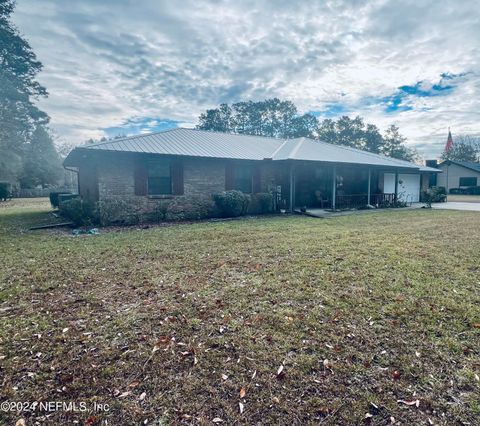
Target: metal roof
201,143
469,165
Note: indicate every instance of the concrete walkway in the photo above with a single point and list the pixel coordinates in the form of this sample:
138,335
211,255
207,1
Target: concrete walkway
472,207
321,213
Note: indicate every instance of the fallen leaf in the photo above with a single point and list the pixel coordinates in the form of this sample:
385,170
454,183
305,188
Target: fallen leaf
20,422
242,392
416,402
134,384
91,420
124,394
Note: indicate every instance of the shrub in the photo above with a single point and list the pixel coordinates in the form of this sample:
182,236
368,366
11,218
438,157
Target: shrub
159,212
473,190
232,203
4,191
80,212
118,211
191,208
54,198
437,194
456,191
261,203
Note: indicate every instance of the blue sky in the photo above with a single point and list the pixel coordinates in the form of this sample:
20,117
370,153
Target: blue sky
126,67
141,126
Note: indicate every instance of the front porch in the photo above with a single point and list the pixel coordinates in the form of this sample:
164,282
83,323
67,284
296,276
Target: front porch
334,187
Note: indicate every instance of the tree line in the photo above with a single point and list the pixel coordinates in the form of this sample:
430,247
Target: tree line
280,119
27,151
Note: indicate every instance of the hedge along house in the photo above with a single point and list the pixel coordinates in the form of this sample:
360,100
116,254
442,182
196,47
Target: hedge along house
189,163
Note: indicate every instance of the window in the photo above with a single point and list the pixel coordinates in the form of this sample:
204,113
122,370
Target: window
242,176
159,178
468,181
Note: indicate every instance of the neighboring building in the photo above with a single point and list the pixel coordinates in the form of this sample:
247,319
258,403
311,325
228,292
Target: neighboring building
458,174
186,162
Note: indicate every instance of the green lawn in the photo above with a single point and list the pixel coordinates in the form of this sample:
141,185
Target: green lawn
182,324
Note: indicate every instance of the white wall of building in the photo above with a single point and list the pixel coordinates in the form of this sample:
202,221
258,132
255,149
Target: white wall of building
450,178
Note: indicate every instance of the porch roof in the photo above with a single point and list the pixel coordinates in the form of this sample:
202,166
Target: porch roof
206,144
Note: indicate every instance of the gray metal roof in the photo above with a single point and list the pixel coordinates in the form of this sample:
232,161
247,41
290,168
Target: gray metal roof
200,143
468,164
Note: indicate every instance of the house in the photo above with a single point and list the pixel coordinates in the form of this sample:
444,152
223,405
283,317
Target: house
458,174
182,163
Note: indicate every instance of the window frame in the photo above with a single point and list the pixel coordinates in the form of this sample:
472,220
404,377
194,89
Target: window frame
474,179
150,165
236,180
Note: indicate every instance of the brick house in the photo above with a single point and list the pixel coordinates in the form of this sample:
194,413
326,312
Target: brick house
183,163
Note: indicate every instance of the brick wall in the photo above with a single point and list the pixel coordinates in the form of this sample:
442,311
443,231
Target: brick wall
115,177
201,177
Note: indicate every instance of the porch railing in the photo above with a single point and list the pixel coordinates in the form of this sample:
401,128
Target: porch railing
354,201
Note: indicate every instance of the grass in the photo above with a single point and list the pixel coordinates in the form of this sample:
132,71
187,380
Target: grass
182,324
464,198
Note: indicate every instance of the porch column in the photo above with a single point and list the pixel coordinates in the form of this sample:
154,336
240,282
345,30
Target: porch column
292,188
369,186
396,185
334,187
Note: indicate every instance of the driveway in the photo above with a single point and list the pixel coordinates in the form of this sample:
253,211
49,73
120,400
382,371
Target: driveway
451,205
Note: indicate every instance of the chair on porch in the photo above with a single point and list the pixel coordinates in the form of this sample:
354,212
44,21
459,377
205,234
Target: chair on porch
320,198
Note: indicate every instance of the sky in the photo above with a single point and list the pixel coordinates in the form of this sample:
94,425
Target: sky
128,67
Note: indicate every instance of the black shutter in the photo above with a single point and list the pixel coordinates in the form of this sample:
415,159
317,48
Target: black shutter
140,177
177,177
257,179
229,176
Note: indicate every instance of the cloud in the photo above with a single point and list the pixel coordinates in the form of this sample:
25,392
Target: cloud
116,65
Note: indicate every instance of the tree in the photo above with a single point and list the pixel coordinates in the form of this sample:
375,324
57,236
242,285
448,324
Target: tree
280,119
465,148
461,152
18,90
42,164
394,145
271,117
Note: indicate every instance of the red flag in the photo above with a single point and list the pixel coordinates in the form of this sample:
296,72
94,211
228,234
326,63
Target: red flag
449,144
